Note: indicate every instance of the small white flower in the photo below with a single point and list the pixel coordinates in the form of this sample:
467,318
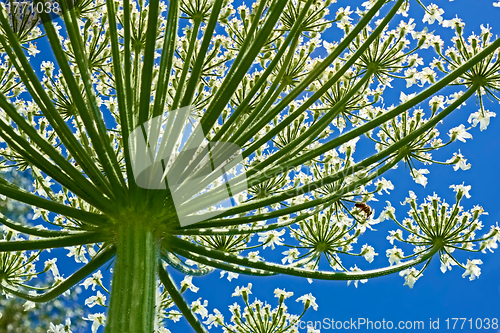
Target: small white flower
308,300
282,293
446,263
409,200
459,133
56,328
364,224
387,213
230,275
384,185
395,255
411,275
38,212
32,50
405,98
215,319
254,256
483,118
200,308
78,252
398,234
459,161
51,264
432,14
490,244
93,281
98,299
463,189
291,255
28,305
47,66
453,23
418,176
472,269
453,97
368,252
271,238
239,291
437,102
174,315
98,319
234,308
187,284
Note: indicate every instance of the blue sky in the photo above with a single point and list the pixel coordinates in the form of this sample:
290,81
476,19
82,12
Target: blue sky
435,295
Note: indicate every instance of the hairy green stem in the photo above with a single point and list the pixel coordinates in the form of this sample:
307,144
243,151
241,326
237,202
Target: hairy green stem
167,56
147,69
53,242
220,264
296,271
123,106
132,305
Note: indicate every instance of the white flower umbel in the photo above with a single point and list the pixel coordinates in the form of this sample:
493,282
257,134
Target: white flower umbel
434,225
257,314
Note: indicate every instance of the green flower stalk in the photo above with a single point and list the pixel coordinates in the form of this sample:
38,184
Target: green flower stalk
149,116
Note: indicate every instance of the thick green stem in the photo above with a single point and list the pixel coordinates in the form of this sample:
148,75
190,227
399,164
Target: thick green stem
133,294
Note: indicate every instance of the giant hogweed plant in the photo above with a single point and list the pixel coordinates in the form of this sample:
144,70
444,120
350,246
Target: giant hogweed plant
249,76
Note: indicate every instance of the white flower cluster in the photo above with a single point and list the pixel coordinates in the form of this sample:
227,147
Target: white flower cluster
434,225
